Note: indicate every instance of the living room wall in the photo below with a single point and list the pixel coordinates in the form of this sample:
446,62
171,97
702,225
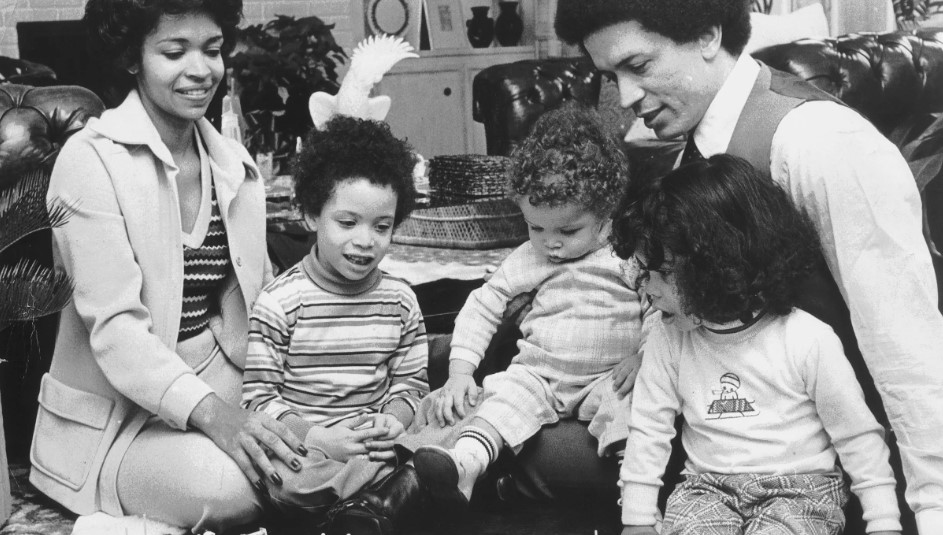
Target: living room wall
337,12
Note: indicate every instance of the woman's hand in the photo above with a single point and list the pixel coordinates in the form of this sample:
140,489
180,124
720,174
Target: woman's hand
623,376
249,438
350,438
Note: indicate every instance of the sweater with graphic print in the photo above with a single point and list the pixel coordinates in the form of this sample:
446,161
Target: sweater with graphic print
778,397
328,350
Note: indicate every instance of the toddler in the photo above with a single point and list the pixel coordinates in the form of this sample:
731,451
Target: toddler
566,176
768,398
337,348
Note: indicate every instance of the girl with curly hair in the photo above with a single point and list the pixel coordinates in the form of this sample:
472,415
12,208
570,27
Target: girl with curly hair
139,414
566,177
768,398
337,348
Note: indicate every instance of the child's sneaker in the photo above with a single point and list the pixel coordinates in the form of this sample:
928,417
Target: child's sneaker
450,475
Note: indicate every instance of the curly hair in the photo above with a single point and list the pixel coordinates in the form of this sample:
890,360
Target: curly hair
732,237
348,148
117,28
569,157
682,21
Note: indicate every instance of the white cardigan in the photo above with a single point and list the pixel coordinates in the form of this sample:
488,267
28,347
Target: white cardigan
114,364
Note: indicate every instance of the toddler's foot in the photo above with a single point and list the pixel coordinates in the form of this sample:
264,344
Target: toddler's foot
449,474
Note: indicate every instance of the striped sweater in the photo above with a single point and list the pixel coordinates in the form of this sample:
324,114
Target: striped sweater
204,269
328,350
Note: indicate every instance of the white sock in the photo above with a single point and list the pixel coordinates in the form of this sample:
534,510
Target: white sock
474,451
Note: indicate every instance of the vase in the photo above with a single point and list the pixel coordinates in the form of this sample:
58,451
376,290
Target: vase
480,27
508,26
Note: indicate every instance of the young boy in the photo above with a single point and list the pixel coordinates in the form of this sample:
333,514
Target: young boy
337,348
566,177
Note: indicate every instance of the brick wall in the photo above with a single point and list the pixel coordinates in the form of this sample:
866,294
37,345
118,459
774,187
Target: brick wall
337,12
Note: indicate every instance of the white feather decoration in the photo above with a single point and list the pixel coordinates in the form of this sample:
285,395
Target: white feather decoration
371,59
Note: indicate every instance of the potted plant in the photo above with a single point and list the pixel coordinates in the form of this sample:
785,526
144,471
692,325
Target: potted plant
276,67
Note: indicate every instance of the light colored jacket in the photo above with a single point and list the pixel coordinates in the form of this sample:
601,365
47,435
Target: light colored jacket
114,363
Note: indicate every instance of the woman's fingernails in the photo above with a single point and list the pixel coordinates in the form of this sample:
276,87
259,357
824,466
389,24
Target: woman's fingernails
296,464
259,485
277,479
303,451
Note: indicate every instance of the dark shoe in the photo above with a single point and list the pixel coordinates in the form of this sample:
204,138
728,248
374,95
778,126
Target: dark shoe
380,509
438,470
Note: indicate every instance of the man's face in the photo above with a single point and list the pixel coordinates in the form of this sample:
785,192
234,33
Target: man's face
668,85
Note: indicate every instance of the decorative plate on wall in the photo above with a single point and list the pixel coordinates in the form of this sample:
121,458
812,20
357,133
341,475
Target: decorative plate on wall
394,17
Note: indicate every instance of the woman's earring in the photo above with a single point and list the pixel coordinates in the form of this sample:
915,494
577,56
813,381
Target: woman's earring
697,321
133,71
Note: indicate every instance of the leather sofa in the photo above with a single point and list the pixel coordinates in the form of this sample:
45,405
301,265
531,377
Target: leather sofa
508,98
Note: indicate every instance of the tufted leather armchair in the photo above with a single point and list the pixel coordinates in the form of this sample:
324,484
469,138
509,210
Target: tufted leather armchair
894,79
21,71
509,97
36,121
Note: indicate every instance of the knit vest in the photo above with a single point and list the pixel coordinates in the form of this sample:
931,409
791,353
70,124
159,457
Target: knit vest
775,94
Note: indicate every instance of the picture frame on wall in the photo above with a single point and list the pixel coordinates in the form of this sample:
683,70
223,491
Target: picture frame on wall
446,24
399,18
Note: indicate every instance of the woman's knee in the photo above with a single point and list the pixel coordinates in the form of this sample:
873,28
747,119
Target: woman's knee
184,479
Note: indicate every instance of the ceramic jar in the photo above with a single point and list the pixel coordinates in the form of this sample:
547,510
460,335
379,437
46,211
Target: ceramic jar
480,27
508,27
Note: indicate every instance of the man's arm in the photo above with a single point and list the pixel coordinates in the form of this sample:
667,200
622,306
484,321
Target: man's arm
863,199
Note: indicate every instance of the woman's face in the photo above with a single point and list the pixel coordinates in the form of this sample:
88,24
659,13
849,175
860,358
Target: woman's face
181,67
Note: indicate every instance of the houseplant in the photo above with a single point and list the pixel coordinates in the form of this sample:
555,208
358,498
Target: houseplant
276,67
29,290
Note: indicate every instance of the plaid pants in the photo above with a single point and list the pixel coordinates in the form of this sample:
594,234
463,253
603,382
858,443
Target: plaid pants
752,504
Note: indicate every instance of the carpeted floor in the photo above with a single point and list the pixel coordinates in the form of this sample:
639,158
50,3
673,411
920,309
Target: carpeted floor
33,513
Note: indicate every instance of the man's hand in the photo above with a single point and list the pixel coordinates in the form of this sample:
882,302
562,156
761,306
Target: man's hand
347,439
623,376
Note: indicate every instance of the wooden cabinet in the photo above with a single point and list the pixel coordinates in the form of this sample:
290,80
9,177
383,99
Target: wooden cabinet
432,98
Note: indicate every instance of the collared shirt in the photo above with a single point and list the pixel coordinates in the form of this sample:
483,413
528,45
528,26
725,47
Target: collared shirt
862,197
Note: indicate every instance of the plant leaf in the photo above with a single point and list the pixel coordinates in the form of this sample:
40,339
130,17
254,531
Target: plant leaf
23,208
29,290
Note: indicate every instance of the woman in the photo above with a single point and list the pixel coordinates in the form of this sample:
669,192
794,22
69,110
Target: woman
139,413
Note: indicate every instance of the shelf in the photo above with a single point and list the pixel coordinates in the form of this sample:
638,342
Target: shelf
491,51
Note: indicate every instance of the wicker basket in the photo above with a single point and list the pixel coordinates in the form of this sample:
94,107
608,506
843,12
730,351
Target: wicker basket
480,225
468,175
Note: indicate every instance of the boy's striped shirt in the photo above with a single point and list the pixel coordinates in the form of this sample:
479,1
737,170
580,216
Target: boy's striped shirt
327,356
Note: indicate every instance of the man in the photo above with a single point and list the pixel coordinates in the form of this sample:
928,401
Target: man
680,66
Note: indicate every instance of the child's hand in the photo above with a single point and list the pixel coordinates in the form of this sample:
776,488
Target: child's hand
381,448
346,439
452,396
623,376
640,530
